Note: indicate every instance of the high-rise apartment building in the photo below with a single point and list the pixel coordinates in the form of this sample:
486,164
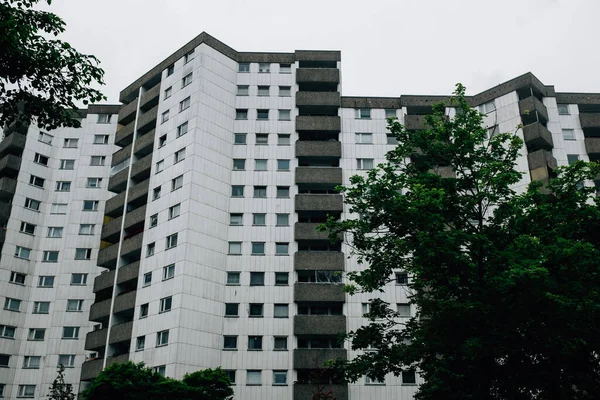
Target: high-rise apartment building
226,163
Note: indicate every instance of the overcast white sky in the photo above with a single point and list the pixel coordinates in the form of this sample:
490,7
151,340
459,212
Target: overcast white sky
388,47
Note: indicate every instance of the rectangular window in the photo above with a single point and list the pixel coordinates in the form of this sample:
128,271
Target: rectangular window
168,92
174,211
374,381
256,310
32,204
156,193
253,377
171,241
160,370
283,219
186,80
282,278
67,164
283,165
282,248
237,191
572,158
279,378
487,108
390,113
285,91
391,139
262,138
179,156
168,272
97,161
170,69
239,138
260,165
94,183
364,163
563,109
239,164
236,219
162,141
71,143
66,360
280,343
86,229
150,249
244,67
50,256
568,134
176,183
164,117
362,113
263,90
36,334
403,309
7,331
144,310
36,181
162,338
401,278
70,332
83,253
260,192
285,115
27,228
409,378
78,279
140,343
74,305
88,205
63,186
4,360
104,118
233,278
230,342
26,391
45,138
45,281
17,278
185,104
283,192
188,57
264,67
262,114
182,129
235,248
22,252
257,279
283,139
11,304
241,113
243,90
232,309
364,138
100,139
285,68
254,342
281,311
165,304
55,231
40,159
259,219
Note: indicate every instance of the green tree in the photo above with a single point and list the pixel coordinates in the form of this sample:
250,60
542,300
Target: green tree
59,389
505,284
41,77
136,382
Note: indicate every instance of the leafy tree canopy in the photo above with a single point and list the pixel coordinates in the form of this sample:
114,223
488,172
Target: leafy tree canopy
41,77
505,283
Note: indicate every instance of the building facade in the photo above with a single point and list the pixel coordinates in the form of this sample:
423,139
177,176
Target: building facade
225,163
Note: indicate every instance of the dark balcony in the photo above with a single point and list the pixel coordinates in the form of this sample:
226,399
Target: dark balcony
319,324
537,137
541,165
415,122
321,99
592,146
132,245
124,135
7,187
5,209
150,98
100,311
13,144
128,272
331,175
316,358
111,231
120,359
318,149
135,218
127,113
308,231
319,202
140,169
96,340
532,110
319,292
107,256
319,260
139,192
317,75
307,391
318,123
120,332
91,368
10,165
144,144
114,205
121,155
589,120
147,121
104,281
118,182
124,302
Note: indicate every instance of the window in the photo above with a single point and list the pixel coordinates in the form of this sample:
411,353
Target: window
487,108
86,229
283,165
236,219
263,90
242,90
401,278
83,253
260,165
55,231
366,307
572,158
45,281
258,249
185,104
319,276
36,334
283,139
233,278
282,249
283,192
239,138
241,113
260,192
176,183
164,117
162,338
100,139
144,310
285,115
140,343
231,309
78,279
568,134
18,278
7,331
11,304
374,381
94,183
168,92
264,67
27,228
63,186
259,219
174,211
88,205
97,161
262,138
285,91
153,220
254,342
364,138
389,113
262,114
71,143
165,304
74,305
230,342
253,377
257,279
66,360
563,109
285,68
168,272
45,138
104,118
403,309
182,129
179,156
409,378
281,311
67,164
362,113
171,241
40,159
160,370
162,141
32,204
281,278
391,139
280,343
283,219
156,193
26,391
147,279
364,163
36,181
244,67
279,377
256,310
22,252
70,332
50,256
186,80
188,57
237,191
170,69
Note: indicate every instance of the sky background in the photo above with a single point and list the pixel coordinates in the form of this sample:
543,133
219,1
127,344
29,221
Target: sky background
388,47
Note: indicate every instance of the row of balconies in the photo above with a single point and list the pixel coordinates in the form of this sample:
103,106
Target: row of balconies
111,231
91,368
140,170
13,144
100,311
107,256
7,187
10,165
96,340
137,193
125,273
